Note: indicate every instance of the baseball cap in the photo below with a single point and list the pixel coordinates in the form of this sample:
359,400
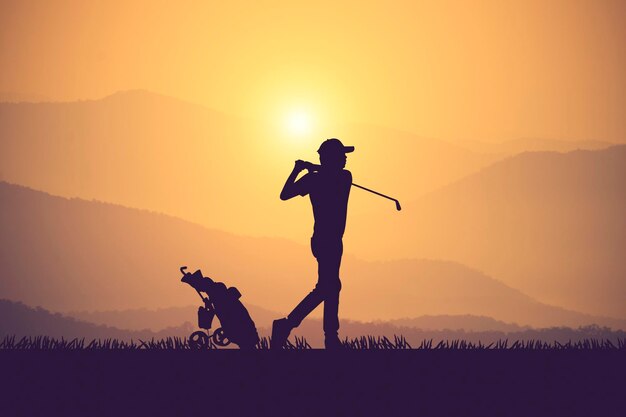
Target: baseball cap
334,145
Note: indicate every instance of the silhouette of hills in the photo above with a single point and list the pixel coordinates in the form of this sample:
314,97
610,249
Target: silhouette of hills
149,151
402,162
467,323
119,147
515,146
21,320
310,329
71,254
160,318
549,224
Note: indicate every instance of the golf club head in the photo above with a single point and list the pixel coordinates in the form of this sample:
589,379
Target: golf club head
398,205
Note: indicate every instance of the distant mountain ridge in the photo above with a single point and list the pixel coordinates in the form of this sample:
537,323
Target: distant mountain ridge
161,318
515,146
150,151
78,255
158,319
459,322
20,321
549,224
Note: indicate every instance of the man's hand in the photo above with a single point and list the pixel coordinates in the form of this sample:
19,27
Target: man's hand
289,190
301,165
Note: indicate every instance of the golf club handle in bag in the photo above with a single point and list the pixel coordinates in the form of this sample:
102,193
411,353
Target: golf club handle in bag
183,270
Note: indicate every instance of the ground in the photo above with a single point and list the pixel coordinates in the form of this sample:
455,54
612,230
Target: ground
314,383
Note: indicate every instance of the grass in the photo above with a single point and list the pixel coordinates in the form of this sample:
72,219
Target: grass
300,343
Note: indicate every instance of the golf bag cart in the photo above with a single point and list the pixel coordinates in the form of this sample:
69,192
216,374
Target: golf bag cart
237,325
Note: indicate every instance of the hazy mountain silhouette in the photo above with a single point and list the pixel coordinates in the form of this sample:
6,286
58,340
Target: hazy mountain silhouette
161,318
71,254
158,319
549,224
117,149
403,163
415,336
154,152
515,146
458,322
21,320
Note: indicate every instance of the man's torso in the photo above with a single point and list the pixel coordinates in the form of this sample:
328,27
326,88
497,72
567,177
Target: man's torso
329,192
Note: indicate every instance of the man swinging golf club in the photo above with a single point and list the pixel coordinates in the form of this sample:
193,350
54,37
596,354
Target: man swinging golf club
328,187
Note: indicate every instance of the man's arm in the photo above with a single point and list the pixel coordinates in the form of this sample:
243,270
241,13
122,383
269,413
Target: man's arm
289,189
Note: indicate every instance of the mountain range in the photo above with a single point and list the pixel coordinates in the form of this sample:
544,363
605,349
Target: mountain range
550,224
24,321
516,146
71,254
162,318
20,320
150,151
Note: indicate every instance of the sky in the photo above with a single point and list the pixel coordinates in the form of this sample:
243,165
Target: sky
454,70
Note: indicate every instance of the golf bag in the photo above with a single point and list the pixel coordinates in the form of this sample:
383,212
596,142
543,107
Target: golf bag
237,325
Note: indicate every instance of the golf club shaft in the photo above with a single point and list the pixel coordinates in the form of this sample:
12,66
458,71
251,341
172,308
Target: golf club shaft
313,167
377,193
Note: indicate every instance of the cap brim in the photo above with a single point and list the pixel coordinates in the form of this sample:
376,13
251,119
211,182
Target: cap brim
348,149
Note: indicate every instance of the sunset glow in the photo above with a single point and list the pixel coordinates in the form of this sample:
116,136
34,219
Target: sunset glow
448,70
298,123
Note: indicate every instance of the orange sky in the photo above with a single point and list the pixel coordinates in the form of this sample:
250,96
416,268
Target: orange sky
453,70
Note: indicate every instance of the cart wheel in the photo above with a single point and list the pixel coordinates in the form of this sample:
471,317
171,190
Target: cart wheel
199,340
219,338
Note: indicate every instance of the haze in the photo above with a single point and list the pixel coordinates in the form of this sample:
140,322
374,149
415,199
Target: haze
451,69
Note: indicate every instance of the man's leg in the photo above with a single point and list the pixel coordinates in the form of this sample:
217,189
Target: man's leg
329,263
331,313
308,304
328,254
282,327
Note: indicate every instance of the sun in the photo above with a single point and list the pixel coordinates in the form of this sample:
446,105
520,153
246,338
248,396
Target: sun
298,123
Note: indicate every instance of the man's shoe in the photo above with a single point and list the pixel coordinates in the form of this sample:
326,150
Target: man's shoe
280,332
333,343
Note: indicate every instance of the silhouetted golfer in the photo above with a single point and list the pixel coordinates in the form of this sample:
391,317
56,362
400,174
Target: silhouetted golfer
328,187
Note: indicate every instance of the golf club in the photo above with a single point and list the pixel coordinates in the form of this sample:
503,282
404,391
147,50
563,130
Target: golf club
382,195
314,167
